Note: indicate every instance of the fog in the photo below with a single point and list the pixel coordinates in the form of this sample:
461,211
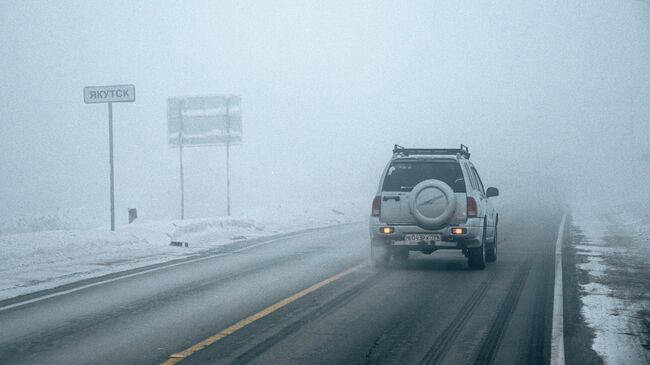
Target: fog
552,98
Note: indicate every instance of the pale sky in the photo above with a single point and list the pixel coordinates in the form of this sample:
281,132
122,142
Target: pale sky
550,95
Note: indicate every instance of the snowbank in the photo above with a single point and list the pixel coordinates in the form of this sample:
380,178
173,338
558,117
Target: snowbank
615,302
35,261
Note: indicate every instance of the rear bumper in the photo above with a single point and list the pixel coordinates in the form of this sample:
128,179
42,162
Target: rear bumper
472,238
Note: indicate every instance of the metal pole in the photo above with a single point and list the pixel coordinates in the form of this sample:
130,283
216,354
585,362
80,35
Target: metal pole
110,153
228,152
180,149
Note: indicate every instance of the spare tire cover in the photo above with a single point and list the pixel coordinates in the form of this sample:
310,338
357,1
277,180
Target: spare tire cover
432,203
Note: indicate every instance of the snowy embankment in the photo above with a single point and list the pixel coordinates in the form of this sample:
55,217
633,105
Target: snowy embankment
615,250
35,261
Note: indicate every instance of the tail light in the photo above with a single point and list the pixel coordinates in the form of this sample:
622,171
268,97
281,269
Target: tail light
376,206
458,231
472,210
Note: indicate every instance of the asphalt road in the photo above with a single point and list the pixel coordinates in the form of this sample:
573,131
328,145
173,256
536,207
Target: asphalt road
431,309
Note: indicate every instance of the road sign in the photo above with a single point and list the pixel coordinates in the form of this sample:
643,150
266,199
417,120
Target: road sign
204,120
109,94
212,120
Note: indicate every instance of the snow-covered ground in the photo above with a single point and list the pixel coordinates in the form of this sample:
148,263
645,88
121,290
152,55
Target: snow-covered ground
615,247
35,261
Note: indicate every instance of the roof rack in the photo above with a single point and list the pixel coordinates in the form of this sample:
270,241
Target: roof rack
463,151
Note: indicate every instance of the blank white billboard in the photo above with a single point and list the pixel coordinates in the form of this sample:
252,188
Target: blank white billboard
205,120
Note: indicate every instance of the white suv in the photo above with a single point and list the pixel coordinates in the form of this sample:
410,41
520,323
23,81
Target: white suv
430,199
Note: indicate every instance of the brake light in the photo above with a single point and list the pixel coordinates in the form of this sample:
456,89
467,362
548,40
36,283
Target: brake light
387,230
376,206
458,231
472,210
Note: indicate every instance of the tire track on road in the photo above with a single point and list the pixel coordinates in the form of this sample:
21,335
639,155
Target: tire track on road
491,342
363,284
441,345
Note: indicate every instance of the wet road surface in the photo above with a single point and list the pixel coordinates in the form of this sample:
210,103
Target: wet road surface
430,310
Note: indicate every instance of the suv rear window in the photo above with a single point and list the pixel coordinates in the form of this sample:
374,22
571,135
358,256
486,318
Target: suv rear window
404,175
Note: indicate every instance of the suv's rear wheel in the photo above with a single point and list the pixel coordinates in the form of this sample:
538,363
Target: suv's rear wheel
476,256
379,255
491,252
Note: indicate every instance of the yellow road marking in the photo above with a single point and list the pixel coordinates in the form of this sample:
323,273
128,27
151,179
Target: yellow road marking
177,357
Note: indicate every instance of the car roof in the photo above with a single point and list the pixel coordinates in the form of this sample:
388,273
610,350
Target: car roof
428,158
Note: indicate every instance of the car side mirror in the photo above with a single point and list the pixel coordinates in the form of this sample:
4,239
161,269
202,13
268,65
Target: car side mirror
492,192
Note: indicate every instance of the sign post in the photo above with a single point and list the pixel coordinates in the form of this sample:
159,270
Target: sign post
180,158
213,120
110,157
110,95
228,153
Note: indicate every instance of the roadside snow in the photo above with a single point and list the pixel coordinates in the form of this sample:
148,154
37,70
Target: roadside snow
615,300
31,262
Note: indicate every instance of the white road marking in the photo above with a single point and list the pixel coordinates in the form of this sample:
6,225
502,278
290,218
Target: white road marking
557,333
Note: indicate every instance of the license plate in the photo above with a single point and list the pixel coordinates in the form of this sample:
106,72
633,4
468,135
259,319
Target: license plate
417,237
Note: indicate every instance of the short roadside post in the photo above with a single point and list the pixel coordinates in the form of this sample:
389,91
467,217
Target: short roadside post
110,94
